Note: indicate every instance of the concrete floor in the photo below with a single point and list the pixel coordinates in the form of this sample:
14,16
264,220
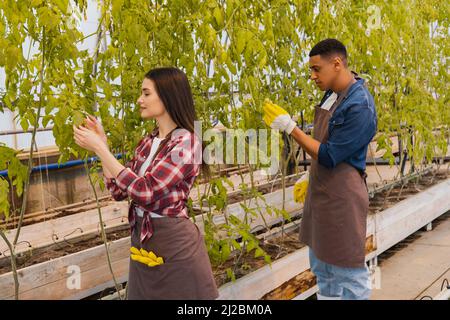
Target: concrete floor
416,267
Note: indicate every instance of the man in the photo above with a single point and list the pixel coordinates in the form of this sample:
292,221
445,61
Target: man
335,211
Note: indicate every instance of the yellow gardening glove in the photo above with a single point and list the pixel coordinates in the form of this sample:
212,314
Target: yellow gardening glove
277,118
300,188
148,258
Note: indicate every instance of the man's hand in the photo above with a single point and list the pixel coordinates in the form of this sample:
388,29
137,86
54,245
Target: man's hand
277,118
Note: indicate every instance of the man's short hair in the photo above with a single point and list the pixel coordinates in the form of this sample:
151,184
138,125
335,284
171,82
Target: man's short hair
328,47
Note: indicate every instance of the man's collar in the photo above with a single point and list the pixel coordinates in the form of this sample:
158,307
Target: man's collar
359,81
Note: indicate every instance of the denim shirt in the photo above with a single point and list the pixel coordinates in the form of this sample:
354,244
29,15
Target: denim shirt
351,128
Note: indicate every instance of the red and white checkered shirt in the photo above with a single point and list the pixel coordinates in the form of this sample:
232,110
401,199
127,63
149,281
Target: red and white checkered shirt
164,188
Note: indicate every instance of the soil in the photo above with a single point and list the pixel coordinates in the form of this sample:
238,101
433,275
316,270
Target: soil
60,250
276,248
385,199
238,196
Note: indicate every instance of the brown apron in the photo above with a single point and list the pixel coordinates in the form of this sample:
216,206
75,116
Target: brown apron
335,212
186,273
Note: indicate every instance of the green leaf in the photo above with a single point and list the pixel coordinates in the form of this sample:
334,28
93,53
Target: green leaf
259,252
231,275
218,15
46,119
62,5
78,118
4,202
36,3
24,124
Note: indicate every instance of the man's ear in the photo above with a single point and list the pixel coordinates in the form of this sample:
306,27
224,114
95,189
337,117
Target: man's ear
338,63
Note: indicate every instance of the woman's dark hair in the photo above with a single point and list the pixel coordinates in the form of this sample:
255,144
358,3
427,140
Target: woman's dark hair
172,87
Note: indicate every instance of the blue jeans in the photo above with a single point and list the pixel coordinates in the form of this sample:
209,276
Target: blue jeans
339,282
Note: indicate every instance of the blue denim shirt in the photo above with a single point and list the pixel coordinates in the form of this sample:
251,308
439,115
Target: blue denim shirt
351,128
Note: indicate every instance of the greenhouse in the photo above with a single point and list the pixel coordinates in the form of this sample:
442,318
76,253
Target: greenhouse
224,150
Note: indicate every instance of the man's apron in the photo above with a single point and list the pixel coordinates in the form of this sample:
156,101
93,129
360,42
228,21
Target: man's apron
335,212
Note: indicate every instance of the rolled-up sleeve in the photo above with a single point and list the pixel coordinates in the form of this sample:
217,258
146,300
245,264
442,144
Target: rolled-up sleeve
117,193
159,179
345,140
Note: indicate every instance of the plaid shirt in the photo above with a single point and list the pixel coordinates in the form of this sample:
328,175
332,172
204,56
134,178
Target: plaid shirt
165,186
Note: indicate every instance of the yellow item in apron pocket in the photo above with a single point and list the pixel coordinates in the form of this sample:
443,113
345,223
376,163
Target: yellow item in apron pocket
135,251
147,261
153,263
145,257
152,256
144,252
301,187
139,258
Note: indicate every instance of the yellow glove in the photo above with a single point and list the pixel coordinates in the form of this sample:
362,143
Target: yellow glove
277,118
148,258
301,187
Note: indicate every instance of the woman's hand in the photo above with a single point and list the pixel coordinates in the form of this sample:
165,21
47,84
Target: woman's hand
93,124
88,139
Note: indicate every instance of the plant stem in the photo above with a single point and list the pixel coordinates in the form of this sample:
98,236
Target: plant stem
102,228
13,265
33,139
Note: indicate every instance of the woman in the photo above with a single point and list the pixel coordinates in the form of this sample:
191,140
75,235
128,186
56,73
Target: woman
158,180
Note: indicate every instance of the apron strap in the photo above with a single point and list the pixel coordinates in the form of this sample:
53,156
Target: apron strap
364,176
338,102
343,95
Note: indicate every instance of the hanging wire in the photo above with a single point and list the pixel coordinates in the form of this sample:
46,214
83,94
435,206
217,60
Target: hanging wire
440,276
444,282
23,241
70,233
54,237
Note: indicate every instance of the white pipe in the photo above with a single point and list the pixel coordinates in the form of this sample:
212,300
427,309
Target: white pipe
443,295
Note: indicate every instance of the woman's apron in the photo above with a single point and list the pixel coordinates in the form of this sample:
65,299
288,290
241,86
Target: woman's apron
186,273
335,212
